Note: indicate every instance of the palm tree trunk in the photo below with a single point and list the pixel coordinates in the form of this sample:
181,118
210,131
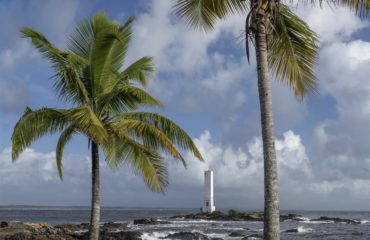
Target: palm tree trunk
271,217
95,200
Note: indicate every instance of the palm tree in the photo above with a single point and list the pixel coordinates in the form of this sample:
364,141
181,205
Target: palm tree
105,99
286,47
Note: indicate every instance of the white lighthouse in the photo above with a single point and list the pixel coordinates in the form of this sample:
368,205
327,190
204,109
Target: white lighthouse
208,205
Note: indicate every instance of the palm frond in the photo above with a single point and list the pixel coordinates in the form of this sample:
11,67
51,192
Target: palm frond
108,49
87,122
67,66
125,97
139,71
81,39
151,136
148,164
204,13
35,124
360,7
172,131
293,49
64,138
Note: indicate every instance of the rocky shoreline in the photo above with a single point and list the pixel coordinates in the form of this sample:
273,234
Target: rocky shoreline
238,216
13,230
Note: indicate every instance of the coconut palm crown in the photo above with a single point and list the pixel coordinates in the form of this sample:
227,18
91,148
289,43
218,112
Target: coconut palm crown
292,45
105,99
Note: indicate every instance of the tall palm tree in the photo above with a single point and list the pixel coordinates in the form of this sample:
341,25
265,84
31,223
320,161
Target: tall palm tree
105,98
286,47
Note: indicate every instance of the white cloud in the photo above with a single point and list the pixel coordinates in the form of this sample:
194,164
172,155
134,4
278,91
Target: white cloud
183,56
238,178
11,57
241,169
331,23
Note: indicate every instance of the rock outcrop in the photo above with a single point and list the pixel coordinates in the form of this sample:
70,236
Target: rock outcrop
149,221
13,230
336,220
239,216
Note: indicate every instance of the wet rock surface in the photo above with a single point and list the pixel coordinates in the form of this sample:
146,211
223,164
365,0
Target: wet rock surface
31,231
240,216
13,230
150,221
336,220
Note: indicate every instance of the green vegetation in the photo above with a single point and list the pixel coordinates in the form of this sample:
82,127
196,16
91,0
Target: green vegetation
233,213
105,98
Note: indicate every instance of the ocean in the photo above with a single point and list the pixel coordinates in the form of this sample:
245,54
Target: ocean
305,229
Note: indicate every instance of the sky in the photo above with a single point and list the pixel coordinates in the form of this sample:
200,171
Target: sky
209,89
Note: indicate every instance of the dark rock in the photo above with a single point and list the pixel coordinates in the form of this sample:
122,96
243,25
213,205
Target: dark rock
36,236
116,236
236,234
220,216
294,230
4,224
238,216
68,228
336,220
150,221
41,231
186,236
291,216
112,226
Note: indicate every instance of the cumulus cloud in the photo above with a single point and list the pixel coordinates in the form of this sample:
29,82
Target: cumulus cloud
326,23
183,55
238,174
10,57
235,169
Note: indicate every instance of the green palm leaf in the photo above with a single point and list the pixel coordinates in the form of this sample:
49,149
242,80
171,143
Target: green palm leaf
66,64
87,122
125,97
139,71
145,162
292,51
35,124
204,13
172,131
151,136
64,138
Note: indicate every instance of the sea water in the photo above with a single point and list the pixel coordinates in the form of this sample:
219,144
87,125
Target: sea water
306,229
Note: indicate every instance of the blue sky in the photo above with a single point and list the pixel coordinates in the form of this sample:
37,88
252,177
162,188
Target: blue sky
208,88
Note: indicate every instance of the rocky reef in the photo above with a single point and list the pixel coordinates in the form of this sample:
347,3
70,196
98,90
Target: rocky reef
235,216
13,230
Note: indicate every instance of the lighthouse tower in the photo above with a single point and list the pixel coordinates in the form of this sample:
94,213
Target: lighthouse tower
208,205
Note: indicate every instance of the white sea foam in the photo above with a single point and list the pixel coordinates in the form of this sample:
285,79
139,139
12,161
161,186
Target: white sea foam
304,219
155,235
302,229
196,221
318,222
365,221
